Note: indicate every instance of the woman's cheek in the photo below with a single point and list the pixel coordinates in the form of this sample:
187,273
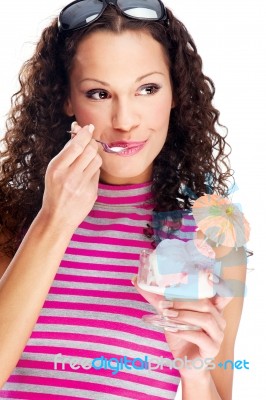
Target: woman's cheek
89,114
161,110
160,121
85,117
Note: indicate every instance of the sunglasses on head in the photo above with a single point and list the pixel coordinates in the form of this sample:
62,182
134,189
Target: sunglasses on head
81,13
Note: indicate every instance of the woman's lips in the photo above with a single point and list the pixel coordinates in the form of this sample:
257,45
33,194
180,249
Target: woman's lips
131,150
127,145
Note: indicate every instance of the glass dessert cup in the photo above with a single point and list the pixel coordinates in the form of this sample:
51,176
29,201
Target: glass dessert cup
177,286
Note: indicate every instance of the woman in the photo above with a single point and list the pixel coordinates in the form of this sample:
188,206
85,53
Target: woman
74,218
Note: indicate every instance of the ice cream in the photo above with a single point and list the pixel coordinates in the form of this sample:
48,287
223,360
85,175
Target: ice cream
178,269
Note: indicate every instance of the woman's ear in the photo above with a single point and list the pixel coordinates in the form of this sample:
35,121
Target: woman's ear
68,108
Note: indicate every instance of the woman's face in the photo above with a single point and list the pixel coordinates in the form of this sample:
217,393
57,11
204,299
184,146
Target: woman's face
121,84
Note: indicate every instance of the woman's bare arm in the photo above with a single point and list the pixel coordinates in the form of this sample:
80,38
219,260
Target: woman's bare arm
24,287
71,185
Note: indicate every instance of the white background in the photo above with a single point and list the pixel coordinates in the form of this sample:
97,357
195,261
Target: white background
230,36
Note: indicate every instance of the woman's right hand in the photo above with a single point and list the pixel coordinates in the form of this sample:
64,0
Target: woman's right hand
72,178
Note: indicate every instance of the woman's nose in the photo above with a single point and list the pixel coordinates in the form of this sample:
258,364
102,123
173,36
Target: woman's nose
125,116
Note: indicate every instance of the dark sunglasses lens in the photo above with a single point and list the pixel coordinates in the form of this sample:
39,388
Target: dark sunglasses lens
80,13
147,9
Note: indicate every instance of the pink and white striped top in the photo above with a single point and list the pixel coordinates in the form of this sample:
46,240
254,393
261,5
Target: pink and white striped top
93,311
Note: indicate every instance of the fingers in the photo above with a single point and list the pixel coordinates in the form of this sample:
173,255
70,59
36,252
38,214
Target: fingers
72,179
200,305
87,162
76,146
207,346
75,128
221,302
89,153
84,160
213,326
201,313
93,168
207,310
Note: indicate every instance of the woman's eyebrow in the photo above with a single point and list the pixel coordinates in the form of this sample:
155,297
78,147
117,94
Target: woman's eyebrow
150,73
107,84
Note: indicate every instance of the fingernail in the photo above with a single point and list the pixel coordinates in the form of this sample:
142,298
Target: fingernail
170,313
90,128
134,279
74,123
166,304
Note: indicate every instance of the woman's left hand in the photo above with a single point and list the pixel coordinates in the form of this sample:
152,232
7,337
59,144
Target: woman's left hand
191,345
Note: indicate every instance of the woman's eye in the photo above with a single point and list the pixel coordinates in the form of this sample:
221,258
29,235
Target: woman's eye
97,94
149,89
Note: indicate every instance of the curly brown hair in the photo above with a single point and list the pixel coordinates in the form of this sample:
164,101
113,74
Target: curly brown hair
37,124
